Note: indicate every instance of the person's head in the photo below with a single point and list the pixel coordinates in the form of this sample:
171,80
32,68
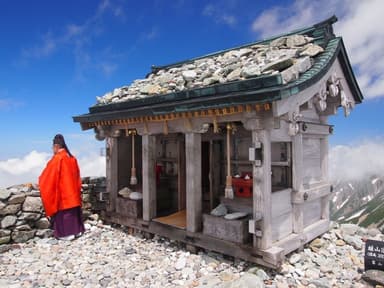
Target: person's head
59,143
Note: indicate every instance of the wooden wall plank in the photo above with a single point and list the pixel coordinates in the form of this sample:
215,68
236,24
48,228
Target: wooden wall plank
312,212
281,202
281,226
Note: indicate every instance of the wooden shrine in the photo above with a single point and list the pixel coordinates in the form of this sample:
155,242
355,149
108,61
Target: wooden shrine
250,136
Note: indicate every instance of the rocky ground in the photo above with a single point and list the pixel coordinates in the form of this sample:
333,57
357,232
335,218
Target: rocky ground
107,256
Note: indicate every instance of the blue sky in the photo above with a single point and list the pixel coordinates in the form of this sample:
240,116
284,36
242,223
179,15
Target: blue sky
57,56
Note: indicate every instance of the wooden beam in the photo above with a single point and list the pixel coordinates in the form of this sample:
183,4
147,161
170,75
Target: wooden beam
314,230
112,171
315,128
311,194
149,177
290,243
193,181
262,190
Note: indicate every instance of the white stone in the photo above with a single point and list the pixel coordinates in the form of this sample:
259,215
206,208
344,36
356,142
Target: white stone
180,263
136,196
125,192
4,194
189,75
32,204
312,50
235,215
8,221
220,210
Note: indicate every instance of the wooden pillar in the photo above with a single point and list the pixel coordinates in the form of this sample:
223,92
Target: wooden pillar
181,175
262,190
297,181
193,181
149,177
112,171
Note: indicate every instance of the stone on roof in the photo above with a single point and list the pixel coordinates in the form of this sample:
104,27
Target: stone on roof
288,55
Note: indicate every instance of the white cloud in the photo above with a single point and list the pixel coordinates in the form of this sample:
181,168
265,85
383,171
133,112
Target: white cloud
7,103
45,48
89,152
22,170
359,24
357,161
27,169
219,15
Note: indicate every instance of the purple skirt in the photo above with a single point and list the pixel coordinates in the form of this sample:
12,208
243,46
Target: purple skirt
68,222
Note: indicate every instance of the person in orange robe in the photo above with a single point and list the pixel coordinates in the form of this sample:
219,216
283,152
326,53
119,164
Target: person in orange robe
60,190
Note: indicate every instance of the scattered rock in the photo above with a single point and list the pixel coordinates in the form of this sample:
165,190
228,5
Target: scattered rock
233,65
235,215
33,204
22,236
375,277
8,221
4,194
136,196
220,210
17,199
124,192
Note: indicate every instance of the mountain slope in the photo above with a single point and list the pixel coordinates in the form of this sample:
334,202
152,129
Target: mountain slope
359,202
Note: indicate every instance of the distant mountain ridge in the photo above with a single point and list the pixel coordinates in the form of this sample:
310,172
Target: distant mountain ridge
359,202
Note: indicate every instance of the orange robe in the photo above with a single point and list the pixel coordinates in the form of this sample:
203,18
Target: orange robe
60,183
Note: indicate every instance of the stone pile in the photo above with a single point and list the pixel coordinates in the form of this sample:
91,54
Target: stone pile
289,55
22,215
108,257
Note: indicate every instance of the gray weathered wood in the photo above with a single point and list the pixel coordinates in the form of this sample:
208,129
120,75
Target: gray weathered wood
315,129
181,175
111,171
149,177
193,183
290,243
297,183
281,134
324,158
312,193
281,226
312,212
281,202
262,189
315,229
297,162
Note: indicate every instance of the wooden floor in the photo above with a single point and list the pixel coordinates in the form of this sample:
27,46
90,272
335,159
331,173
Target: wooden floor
178,219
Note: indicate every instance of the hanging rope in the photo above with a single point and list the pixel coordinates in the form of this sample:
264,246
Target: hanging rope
133,169
228,182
